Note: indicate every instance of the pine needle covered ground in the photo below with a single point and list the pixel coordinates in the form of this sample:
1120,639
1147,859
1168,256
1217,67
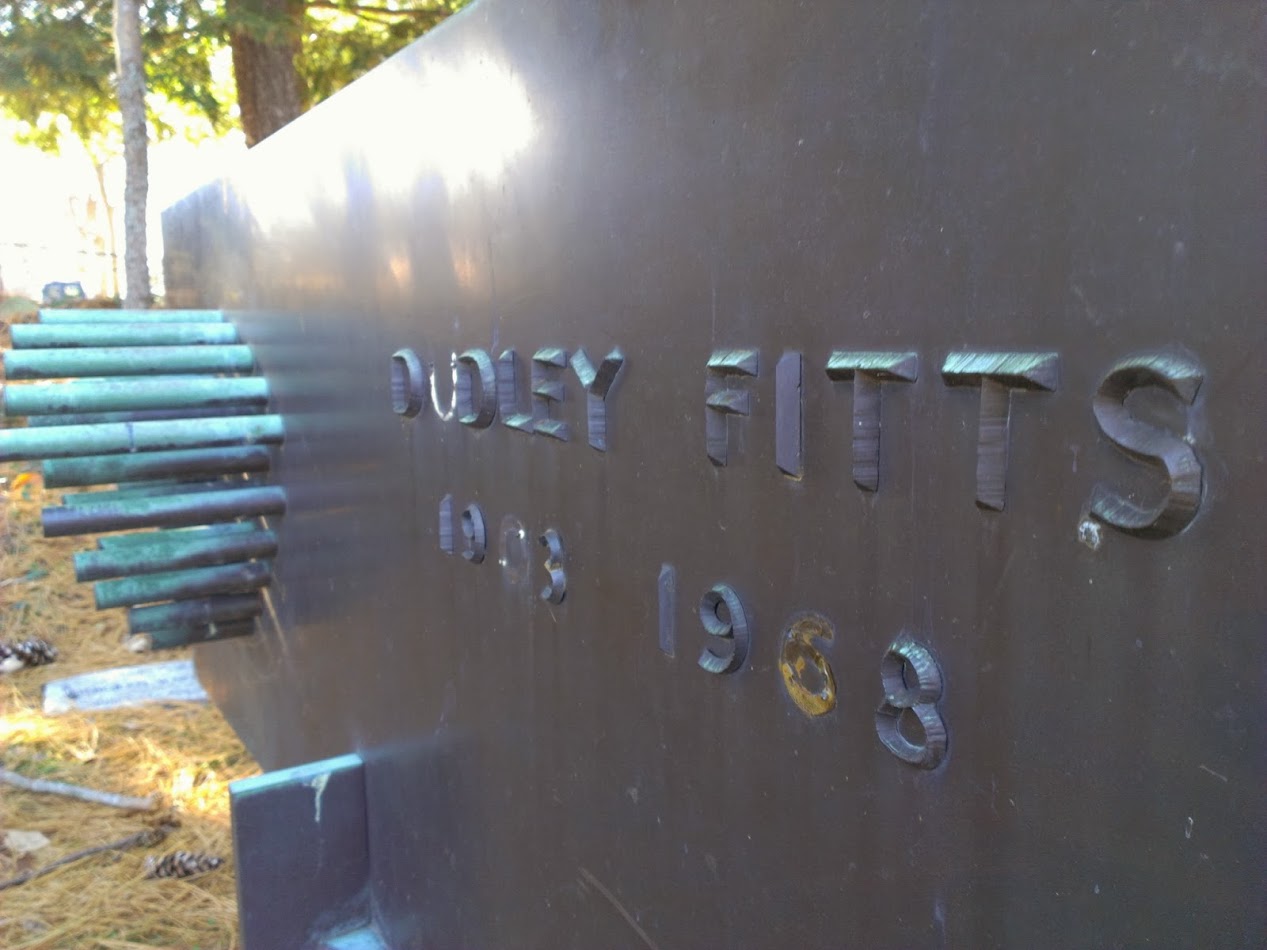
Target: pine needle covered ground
184,753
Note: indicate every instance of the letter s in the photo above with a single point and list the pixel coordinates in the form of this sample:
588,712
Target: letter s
1181,376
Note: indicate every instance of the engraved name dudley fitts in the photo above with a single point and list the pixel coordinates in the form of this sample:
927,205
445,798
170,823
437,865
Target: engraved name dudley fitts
484,389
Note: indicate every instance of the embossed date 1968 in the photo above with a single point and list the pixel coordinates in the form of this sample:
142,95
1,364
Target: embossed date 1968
908,718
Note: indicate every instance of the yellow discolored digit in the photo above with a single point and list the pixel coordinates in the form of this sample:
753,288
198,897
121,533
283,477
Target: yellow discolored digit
807,676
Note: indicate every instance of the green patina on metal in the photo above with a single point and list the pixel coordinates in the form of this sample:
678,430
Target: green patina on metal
114,469
1017,370
132,394
157,482
119,437
29,336
183,585
125,402
173,511
143,415
172,535
174,550
127,361
131,316
221,608
77,499
886,365
170,638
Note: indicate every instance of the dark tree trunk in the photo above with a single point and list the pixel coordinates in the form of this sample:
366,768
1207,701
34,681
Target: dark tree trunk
131,69
266,37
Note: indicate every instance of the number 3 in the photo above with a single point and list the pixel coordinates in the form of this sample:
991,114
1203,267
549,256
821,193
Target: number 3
557,589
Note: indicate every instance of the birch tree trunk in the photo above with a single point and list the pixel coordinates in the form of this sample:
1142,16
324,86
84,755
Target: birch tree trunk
131,79
100,169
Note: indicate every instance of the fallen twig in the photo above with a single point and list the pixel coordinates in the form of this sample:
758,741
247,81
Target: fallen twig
75,791
34,574
146,838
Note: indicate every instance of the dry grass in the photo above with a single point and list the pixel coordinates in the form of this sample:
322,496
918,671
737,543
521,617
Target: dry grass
183,752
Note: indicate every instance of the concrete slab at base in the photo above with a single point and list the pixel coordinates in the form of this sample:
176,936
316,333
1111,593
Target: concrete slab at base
299,837
363,939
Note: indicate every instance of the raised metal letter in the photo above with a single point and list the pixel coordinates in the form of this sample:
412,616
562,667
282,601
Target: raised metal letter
869,370
1169,454
721,401
547,388
598,384
998,374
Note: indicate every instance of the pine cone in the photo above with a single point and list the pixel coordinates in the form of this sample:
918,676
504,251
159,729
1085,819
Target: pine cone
181,864
35,652
16,654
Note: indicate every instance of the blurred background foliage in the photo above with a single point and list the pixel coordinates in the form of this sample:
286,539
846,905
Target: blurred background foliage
57,61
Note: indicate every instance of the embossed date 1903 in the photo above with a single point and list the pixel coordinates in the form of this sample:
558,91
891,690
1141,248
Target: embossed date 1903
466,532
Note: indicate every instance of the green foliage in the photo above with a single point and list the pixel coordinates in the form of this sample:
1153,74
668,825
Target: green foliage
53,61
180,38
57,59
344,40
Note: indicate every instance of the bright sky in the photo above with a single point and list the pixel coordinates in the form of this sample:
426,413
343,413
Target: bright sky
43,201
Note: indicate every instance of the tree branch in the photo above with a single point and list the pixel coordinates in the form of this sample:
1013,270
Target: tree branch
146,838
360,10
76,791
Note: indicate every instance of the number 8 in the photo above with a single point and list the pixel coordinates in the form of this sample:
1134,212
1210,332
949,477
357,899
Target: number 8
912,681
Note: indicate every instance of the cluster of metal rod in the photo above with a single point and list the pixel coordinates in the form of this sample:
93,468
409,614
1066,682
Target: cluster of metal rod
161,404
